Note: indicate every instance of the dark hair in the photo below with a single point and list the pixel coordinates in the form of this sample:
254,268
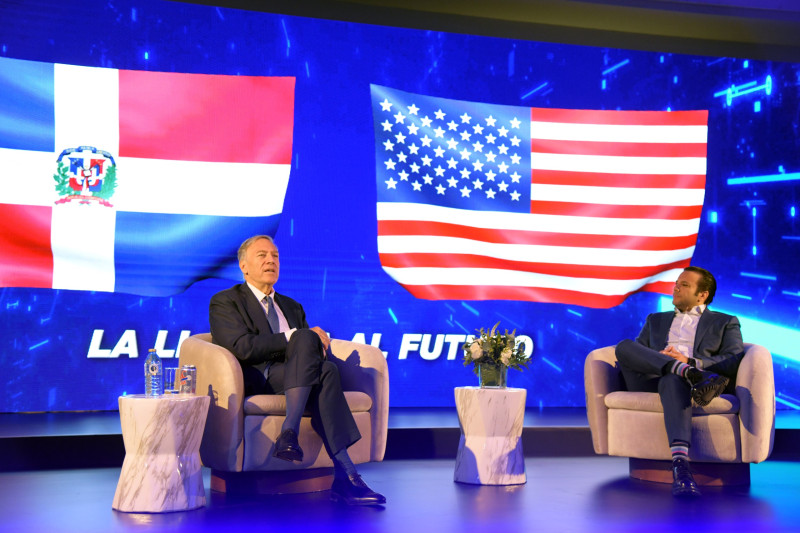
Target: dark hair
705,283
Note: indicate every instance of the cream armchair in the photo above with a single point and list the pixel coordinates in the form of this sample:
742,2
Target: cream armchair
240,431
727,434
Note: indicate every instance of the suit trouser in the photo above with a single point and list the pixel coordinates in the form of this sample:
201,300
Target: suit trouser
305,366
642,369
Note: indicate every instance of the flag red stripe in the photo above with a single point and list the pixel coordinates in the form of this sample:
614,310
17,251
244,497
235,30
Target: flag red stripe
663,212
199,117
639,118
414,260
26,259
541,238
623,149
530,294
644,181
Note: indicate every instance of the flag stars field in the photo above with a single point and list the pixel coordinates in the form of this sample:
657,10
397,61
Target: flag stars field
436,145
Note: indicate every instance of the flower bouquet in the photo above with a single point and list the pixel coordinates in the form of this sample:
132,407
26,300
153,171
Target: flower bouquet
492,354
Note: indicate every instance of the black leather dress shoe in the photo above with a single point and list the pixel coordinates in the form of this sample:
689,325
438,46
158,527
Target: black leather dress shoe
683,484
708,388
353,491
287,447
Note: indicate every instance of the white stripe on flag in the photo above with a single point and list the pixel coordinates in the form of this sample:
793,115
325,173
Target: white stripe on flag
199,187
86,108
616,195
159,186
82,236
512,278
28,177
618,164
532,253
619,133
82,239
545,223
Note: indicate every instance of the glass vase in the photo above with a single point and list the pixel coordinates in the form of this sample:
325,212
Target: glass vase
493,376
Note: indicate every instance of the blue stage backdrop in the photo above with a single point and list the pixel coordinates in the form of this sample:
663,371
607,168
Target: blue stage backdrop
141,141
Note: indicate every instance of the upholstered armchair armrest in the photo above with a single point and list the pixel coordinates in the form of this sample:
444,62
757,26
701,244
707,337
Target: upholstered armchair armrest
219,376
755,388
364,368
601,377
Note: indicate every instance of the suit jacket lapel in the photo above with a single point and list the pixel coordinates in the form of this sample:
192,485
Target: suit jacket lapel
702,326
254,308
664,323
288,311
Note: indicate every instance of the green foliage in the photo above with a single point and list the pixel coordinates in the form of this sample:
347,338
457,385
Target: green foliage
62,180
494,348
109,183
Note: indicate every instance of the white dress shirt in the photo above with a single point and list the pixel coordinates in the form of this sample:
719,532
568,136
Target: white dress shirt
683,331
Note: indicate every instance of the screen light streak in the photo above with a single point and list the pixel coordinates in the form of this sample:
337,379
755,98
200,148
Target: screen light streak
770,178
758,276
735,91
615,67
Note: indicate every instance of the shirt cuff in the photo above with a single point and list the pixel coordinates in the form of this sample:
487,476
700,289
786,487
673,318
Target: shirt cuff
289,334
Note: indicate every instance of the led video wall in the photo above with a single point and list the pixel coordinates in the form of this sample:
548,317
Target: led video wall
420,185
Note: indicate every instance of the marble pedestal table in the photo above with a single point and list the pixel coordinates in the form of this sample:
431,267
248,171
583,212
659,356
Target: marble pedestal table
490,449
162,470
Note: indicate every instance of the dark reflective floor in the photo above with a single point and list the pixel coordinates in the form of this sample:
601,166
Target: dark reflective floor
591,494
584,493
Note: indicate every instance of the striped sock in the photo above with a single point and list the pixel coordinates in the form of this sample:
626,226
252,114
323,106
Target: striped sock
676,367
679,449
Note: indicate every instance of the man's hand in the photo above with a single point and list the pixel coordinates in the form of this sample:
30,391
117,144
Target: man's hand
675,354
326,341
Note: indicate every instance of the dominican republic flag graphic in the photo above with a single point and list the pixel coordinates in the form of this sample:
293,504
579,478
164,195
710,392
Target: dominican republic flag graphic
491,202
136,182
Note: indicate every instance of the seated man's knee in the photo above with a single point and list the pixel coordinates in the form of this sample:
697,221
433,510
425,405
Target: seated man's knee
304,343
305,337
329,368
621,349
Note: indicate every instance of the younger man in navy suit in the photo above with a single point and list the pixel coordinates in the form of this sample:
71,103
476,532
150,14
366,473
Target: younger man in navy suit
687,354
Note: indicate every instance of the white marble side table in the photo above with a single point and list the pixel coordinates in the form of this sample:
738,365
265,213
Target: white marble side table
490,449
162,470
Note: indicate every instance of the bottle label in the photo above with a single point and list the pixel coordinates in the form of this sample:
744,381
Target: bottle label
152,369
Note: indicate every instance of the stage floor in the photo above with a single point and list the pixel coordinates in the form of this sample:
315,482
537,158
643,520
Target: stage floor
588,494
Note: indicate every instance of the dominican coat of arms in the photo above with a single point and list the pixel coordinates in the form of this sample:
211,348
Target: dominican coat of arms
85,175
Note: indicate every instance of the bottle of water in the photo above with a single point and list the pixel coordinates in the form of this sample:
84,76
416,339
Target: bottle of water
153,376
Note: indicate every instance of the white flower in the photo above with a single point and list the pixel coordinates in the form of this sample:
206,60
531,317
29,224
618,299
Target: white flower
475,350
505,355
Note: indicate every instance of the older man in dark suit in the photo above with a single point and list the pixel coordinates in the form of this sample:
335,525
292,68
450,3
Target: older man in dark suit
691,353
280,354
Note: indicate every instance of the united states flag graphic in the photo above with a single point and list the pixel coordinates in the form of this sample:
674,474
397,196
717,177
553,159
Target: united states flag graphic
490,202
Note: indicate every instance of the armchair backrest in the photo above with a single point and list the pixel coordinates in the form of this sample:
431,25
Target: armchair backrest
219,376
600,377
364,368
755,388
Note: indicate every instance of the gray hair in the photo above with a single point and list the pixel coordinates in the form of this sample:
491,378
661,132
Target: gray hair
246,244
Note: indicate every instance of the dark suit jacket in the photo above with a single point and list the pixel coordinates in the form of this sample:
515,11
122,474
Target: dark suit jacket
717,343
239,323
